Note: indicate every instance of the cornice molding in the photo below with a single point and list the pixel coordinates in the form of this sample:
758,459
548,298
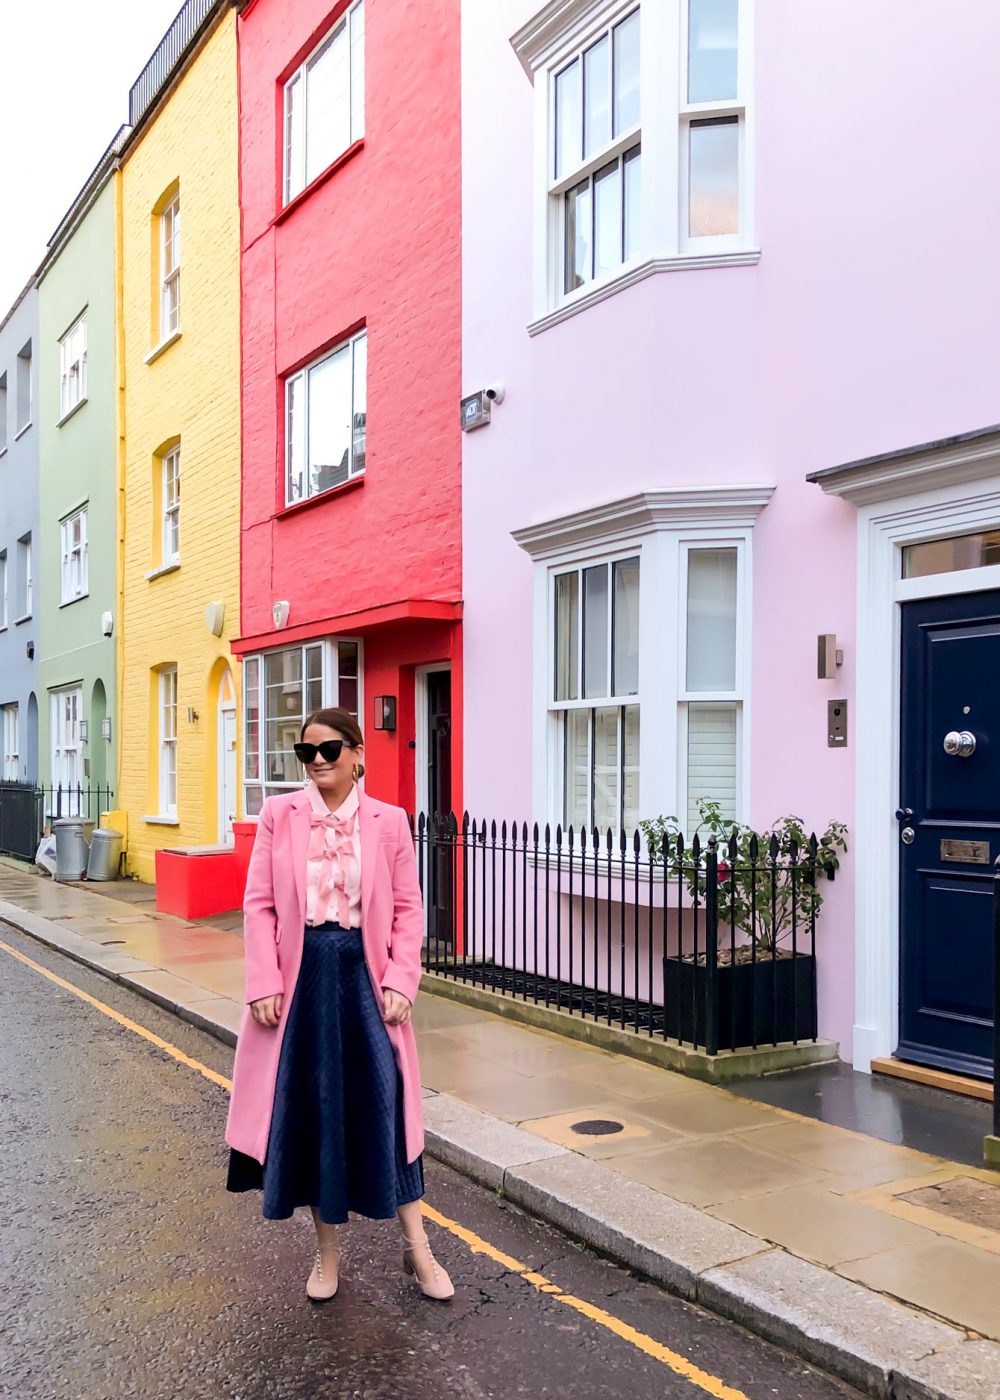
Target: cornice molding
734,506
559,25
951,461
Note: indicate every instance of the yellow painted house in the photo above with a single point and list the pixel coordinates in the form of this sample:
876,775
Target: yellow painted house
180,325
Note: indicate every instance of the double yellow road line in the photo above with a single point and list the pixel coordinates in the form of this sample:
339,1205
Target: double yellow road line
680,1365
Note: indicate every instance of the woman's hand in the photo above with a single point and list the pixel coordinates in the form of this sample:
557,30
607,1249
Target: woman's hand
267,1011
396,1009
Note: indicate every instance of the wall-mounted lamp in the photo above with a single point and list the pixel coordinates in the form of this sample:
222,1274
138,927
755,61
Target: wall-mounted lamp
280,611
84,731
215,618
385,713
829,656
29,651
106,728
193,715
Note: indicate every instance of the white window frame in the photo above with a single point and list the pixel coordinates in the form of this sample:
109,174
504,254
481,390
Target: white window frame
25,561
658,526
545,45
11,748
350,28
4,591
3,413
74,571
170,271
73,367
297,433
167,701
25,406
170,504
329,680
66,744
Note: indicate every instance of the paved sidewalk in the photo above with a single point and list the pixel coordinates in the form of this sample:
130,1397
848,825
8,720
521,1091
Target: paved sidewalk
876,1262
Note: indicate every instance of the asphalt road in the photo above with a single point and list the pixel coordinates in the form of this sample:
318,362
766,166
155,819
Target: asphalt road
128,1270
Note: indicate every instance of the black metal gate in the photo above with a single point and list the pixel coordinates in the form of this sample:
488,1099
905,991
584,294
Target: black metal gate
20,819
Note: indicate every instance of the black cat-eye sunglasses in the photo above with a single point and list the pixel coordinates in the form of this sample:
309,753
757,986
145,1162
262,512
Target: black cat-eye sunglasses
330,750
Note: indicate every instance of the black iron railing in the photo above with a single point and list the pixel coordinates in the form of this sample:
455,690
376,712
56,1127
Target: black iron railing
712,949
26,810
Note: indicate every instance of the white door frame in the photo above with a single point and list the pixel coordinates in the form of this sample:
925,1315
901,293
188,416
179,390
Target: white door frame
226,705
953,502
421,721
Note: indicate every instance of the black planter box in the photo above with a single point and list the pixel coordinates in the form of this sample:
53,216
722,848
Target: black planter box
759,1003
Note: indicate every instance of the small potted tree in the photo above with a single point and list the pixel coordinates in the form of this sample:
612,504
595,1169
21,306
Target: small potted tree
767,894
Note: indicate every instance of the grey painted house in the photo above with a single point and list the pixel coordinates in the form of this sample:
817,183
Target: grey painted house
19,583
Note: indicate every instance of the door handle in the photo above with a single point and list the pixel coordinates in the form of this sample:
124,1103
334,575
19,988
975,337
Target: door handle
904,814
960,743
907,836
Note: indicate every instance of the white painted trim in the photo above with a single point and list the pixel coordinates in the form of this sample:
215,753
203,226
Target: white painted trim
926,468
560,28
155,354
632,273
421,754
728,507
883,528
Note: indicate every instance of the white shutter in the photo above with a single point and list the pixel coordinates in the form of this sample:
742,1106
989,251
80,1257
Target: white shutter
712,759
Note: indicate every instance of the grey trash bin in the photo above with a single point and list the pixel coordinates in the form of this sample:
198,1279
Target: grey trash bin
105,854
72,836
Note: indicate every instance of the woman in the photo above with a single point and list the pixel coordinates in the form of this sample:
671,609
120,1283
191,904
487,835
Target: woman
326,1104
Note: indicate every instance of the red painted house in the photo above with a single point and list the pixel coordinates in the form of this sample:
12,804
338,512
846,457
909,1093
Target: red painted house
350,172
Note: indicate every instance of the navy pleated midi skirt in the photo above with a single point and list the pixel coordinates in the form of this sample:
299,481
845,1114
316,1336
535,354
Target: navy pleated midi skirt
337,1140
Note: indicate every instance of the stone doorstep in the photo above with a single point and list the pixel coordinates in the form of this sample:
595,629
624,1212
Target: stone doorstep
665,1054
886,1348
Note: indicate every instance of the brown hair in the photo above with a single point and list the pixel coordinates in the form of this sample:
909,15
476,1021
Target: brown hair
344,722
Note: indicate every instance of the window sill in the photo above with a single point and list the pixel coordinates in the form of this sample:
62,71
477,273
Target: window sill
165,569
161,821
3,628
68,602
3,451
163,346
21,431
287,210
18,620
69,412
351,484
629,276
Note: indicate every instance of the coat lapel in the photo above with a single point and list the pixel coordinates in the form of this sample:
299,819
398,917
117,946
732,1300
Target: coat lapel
369,851
299,823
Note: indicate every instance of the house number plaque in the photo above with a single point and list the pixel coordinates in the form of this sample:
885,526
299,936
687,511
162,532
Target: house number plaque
971,852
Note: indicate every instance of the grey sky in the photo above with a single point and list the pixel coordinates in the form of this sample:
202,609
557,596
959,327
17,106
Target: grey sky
65,70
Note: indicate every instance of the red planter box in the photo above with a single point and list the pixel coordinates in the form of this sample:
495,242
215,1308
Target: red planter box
198,882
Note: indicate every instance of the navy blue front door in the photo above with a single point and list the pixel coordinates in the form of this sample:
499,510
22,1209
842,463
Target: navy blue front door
949,829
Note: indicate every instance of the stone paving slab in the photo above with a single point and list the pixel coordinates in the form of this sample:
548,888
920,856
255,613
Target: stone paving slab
476,1144
838,1325
636,1226
970,1371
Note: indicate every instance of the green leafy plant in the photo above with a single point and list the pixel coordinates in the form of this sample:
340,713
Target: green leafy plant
768,880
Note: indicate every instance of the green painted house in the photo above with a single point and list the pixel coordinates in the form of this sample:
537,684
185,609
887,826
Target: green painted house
80,430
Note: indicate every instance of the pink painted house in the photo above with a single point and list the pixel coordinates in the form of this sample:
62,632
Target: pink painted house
733,264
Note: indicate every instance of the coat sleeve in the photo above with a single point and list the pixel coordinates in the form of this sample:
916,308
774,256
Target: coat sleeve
260,921
402,973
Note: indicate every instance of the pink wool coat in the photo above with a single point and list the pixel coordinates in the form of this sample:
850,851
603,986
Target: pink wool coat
392,925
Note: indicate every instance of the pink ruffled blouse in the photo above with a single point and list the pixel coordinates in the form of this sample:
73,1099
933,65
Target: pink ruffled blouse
333,869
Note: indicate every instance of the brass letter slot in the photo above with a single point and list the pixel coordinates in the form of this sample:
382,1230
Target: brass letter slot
971,852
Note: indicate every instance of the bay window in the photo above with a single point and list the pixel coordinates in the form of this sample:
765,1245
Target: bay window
280,688
711,698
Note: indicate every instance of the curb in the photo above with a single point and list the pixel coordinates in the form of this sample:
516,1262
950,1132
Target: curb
883,1347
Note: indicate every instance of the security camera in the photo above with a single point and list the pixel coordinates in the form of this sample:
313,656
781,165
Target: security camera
107,623
496,392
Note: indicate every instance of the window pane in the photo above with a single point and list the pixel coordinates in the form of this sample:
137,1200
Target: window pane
607,219
711,620
295,428
578,237
328,117
569,132
360,407
632,238
626,627
714,186
712,50
347,678
597,97
357,72
567,626
607,770
711,759
293,137
253,800
626,37
944,556
595,632
329,421
251,693
631,724
576,767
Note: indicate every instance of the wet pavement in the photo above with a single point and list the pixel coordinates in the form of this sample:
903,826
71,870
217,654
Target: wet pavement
130,1272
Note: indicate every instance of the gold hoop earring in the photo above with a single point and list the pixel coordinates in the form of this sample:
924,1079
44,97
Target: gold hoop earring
356,772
